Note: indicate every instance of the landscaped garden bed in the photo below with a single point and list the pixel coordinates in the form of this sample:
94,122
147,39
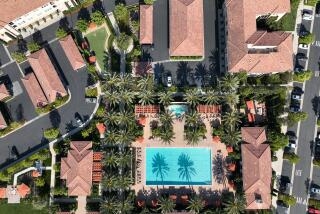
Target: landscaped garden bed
50,107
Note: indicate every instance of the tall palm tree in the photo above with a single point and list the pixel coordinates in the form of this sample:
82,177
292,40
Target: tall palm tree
125,83
231,138
159,166
231,119
110,160
126,97
110,119
235,205
125,119
186,169
192,119
193,97
166,119
230,83
124,160
146,84
211,98
109,206
146,98
166,135
124,137
112,98
196,204
109,182
231,100
111,137
124,182
165,98
192,136
112,81
166,205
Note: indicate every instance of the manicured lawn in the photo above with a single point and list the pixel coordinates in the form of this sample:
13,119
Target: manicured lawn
311,2
97,41
288,21
20,208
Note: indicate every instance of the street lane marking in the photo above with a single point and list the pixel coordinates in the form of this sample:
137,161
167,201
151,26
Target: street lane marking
301,201
316,43
298,172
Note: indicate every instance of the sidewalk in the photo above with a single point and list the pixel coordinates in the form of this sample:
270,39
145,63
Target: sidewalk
298,23
53,171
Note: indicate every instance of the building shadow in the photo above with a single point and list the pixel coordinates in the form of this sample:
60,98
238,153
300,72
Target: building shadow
84,14
182,73
37,37
22,45
316,104
98,6
64,24
55,118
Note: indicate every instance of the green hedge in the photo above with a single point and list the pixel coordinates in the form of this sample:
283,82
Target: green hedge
307,39
59,102
18,56
293,158
302,76
12,126
51,133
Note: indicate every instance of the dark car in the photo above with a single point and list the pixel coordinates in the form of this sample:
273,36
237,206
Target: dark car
295,109
78,119
14,152
292,135
318,8
301,56
297,90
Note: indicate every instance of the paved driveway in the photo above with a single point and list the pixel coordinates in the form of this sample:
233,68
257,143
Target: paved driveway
30,137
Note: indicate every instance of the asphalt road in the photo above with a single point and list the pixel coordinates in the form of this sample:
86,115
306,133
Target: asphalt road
30,137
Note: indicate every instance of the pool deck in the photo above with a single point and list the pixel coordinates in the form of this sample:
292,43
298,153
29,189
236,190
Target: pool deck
178,141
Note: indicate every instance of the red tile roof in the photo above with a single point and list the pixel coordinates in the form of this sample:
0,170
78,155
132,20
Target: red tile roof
186,28
97,167
3,123
242,31
96,176
4,93
23,190
256,168
146,24
209,108
46,75
3,192
34,90
97,156
72,52
76,168
152,109
13,9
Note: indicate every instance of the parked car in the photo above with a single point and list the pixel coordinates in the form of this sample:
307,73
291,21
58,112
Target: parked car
303,46
318,8
297,90
78,119
303,33
169,81
91,100
291,135
296,96
312,210
295,109
301,56
307,16
315,190
292,144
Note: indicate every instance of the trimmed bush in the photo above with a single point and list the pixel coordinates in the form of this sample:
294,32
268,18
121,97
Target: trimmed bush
295,117
123,41
91,92
316,162
302,76
82,25
33,47
307,39
288,199
60,33
18,56
293,158
51,133
97,17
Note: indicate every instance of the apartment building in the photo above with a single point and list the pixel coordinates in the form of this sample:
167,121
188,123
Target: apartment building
21,18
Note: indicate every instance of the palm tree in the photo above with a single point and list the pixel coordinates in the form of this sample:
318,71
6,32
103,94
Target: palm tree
109,182
110,160
231,100
192,119
192,136
165,98
146,84
112,98
231,119
112,81
196,204
211,98
166,119
111,137
146,98
159,166
230,83
166,205
127,97
124,137
235,205
125,119
231,138
166,135
124,160
186,169
109,206
193,97
124,182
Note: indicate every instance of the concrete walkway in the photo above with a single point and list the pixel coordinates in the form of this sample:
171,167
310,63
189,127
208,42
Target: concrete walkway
53,171
82,202
114,23
15,177
297,28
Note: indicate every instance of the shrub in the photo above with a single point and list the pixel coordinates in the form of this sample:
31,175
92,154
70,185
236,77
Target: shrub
278,140
101,111
92,69
51,133
149,1
19,56
89,130
314,203
97,17
295,117
307,39
91,92
318,122
288,199
82,25
316,162
302,76
60,33
33,47
293,158
123,41
40,182
122,14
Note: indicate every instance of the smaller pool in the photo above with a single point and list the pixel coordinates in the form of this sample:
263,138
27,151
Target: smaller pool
178,110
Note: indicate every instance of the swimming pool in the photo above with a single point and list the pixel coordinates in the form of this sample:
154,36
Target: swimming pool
178,110
178,166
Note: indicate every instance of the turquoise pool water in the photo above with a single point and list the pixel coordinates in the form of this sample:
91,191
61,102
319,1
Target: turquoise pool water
178,166
178,110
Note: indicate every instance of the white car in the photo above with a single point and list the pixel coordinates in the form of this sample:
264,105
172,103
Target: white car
315,190
303,46
169,81
307,16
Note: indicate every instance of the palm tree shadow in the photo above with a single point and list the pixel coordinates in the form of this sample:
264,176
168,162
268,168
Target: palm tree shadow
186,169
159,166
218,169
